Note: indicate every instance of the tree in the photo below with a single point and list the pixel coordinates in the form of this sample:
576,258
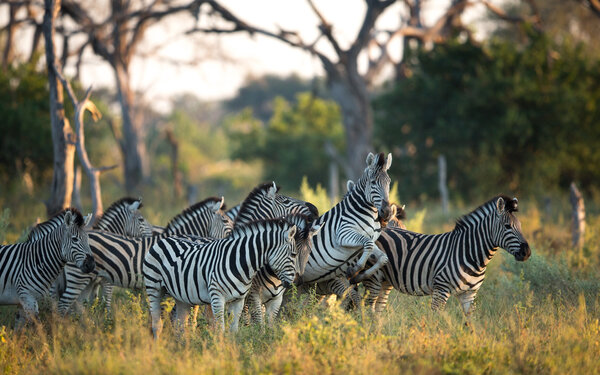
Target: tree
293,143
63,149
116,40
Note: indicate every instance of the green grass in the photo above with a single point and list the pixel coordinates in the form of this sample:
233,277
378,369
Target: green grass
539,316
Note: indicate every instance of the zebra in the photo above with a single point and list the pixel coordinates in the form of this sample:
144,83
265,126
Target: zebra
233,211
119,258
265,202
449,263
122,217
217,272
28,269
349,230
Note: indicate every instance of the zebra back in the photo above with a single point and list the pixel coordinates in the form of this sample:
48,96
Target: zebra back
232,212
122,217
203,219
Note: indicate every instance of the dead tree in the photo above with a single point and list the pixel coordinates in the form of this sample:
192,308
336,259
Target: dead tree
177,176
116,40
64,151
578,223
93,173
442,173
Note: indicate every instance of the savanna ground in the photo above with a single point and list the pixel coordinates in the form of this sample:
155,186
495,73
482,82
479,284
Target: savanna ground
540,316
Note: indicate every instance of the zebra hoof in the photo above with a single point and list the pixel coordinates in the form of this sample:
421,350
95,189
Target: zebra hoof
357,278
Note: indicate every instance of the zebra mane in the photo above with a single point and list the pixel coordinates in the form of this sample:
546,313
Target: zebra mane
242,229
259,190
191,210
117,205
380,160
485,209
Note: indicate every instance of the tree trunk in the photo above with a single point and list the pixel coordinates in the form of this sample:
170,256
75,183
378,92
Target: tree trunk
357,118
134,148
578,217
11,28
442,173
177,175
62,134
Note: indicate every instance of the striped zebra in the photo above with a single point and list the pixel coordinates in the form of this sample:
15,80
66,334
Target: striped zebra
219,272
122,217
349,229
233,211
450,263
119,258
265,202
28,269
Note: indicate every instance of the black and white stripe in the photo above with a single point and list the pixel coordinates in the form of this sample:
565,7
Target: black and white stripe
450,263
122,217
350,229
119,258
265,202
218,272
28,269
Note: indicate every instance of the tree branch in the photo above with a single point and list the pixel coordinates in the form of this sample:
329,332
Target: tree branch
326,30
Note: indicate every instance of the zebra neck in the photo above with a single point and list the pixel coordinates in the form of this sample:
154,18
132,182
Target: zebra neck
45,254
358,194
474,244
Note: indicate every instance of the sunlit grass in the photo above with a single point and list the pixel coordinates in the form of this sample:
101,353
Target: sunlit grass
539,316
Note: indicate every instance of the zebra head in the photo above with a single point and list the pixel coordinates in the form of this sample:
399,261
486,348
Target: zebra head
305,230
264,202
507,229
376,183
219,224
74,243
283,258
397,215
123,217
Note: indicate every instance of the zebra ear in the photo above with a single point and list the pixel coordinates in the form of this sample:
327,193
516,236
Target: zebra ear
316,228
370,159
349,185
134,206
388,161
87,219
69,219
500,205
216,205
222,203
393,210
292,232
272,190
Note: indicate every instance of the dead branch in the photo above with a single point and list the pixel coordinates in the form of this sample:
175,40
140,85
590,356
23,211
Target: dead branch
92,172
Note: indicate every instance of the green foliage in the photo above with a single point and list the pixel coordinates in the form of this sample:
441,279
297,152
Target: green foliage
292,144
25,145
4,221
317,196
506,118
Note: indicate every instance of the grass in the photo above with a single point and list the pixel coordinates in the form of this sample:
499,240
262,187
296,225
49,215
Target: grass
539,316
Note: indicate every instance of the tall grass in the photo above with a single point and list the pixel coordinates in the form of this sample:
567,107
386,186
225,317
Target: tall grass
539,316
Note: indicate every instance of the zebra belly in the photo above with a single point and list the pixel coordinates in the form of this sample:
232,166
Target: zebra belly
8,295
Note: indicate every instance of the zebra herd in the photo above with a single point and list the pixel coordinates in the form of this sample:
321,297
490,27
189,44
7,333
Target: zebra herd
245,258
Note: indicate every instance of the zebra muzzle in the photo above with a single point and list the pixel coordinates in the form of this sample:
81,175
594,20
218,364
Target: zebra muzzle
88,264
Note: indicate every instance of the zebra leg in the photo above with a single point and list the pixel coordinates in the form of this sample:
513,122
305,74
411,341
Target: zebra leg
154,297
183,313
466,300
384,294
272,308
343,290
217,303
254,304
107,292
29,310
373,288
235,308
76,283
381,260
439,298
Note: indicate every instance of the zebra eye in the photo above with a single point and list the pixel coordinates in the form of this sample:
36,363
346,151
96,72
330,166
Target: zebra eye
75,239
507,226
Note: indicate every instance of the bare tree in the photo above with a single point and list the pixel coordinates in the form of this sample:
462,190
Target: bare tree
578,225
93,173
116,40
64,151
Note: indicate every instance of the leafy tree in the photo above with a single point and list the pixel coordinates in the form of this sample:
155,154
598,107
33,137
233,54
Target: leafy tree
507,118
292,144
26,143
